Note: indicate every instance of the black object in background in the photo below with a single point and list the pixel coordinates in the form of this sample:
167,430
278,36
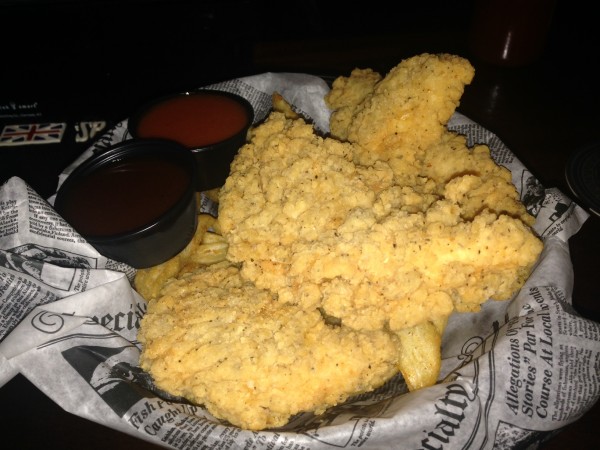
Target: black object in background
89,64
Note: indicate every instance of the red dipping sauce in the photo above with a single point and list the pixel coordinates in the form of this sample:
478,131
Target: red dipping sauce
194,120
124,196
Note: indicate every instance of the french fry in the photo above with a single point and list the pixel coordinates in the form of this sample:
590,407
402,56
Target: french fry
206,247
209,253
420,355
212,237
280,104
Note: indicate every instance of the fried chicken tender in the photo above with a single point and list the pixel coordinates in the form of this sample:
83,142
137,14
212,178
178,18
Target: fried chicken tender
217,340
402,114
346,95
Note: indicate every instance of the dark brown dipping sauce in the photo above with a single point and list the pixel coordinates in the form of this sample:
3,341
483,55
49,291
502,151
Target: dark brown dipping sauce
124,196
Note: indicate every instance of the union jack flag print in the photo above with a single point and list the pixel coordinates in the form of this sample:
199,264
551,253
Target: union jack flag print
32,133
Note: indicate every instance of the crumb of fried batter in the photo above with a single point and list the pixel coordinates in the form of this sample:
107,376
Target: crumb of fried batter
219,341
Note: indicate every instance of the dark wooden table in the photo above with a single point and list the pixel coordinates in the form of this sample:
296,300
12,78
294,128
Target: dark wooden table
543,112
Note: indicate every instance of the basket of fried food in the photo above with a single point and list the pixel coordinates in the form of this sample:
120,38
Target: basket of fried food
335,261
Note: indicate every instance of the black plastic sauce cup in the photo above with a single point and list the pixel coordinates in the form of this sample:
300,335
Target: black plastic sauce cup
134,202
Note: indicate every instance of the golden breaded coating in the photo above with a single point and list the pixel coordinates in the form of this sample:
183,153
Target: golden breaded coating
472,179
305,223
219,341
346,95
404,113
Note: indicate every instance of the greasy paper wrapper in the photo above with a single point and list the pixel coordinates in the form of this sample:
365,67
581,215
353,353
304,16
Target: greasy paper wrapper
512,374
